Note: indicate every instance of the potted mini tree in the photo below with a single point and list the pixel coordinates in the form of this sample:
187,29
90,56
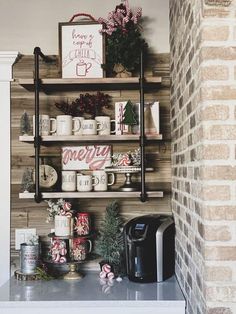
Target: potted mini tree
124,40
27,182
25,126
110,244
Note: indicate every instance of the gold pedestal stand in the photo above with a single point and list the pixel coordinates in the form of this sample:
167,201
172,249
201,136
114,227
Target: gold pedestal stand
73,274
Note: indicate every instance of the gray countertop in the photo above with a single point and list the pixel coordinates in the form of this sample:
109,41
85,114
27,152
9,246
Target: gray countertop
92,290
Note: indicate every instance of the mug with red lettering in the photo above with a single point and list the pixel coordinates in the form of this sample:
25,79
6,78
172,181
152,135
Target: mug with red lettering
81,248
82,224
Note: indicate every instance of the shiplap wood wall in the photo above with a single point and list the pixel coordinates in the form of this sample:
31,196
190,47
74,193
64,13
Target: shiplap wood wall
28,214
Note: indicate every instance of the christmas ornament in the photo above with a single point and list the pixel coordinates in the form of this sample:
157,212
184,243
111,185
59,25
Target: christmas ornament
102,275
106,268
110,275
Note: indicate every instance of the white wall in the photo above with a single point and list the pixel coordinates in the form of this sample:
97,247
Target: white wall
28,23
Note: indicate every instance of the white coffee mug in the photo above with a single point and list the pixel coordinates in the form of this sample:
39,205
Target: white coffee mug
78,125
62,226
68,180
64,125
45,125
85,183
103,180
90,127
105,123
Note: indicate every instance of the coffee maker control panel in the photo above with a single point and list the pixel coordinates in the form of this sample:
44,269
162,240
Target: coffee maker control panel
139,231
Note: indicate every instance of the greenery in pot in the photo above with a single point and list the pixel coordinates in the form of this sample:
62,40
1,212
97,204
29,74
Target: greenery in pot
124,40
110,244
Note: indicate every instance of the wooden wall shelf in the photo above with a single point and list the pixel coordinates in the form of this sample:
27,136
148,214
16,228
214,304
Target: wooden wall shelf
91,195
59,84
90,138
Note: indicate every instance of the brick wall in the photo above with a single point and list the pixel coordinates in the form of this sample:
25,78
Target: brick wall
203,112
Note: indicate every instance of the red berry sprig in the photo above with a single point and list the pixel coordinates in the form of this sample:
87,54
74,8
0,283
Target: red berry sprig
92,104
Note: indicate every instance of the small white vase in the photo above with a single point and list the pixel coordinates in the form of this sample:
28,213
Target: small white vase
62,226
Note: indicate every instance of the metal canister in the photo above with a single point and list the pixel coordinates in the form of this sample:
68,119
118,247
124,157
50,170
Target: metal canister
29,256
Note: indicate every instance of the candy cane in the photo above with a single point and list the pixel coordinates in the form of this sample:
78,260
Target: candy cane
110,275
106,268
62,212
57,259
68,214
102,275
63,251
67,206
62,259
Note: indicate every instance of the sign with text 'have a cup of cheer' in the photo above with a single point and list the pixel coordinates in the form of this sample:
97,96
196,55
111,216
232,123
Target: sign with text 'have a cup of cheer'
90,157
81,50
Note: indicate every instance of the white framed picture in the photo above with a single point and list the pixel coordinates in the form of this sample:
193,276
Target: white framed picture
81,50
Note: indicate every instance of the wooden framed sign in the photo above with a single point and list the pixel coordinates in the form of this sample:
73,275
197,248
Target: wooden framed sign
81,50
90,157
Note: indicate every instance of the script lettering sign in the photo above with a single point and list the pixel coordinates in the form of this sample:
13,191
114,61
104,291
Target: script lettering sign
86,157
81,50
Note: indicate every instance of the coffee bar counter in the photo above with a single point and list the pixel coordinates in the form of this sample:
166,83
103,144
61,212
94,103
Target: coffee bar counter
91,295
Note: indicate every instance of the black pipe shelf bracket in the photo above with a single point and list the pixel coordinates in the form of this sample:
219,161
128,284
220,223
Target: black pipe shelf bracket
143,195
37,138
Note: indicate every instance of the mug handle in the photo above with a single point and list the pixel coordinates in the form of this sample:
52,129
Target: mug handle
90,245
112,180
88,66
55,125
95,181
79,125
114,131
99,126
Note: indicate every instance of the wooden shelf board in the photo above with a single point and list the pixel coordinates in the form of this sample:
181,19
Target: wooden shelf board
50,84
91,195
90,138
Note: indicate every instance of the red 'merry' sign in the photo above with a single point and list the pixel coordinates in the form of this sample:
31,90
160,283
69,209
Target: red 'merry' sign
86,157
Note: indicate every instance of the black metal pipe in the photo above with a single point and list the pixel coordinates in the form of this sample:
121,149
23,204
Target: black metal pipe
143,195
37,137
37,51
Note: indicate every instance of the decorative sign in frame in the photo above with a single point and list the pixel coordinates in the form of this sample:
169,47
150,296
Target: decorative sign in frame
90,157
81,50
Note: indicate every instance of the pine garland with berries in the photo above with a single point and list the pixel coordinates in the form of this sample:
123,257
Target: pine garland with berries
124,40
91,104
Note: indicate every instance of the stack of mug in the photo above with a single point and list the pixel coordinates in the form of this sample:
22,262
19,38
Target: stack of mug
68,125
81,244
99,180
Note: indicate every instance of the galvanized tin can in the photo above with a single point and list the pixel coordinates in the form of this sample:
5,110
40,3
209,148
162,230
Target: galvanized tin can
29,256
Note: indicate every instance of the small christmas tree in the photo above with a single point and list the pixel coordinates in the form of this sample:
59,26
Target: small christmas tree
25,124
110,243
129,115
27,182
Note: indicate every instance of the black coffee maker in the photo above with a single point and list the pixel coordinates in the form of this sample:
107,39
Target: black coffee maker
150,248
